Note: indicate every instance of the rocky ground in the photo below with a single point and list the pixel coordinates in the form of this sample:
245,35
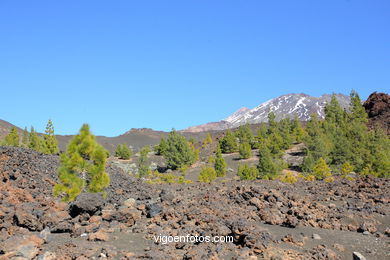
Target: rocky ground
378,109
267,219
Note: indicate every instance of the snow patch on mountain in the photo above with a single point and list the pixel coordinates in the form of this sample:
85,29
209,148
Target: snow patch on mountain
286,106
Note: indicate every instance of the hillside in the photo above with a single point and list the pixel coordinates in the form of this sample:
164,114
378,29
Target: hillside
305,220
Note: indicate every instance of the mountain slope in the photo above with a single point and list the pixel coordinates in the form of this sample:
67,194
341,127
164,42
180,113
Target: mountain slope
291,105
5,127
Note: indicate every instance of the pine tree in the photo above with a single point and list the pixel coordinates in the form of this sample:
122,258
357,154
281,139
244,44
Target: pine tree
275,143
298,133
261,136
208,140
179,151
123,152
219,163
26,138
334,113
12,139
82,167
36,142
50,140
207,175
272,124
266,167
244,134
162,147
321,170
143,168
284,128
247,172
245,151
357,111
228,143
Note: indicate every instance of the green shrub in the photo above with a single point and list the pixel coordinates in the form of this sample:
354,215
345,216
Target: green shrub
321,170
123,152
247,172
207,175
288,178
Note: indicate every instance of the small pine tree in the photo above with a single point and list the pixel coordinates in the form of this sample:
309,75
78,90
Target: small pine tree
247,172
321,170
36,142
261,136
228,143
245,151
358,112
26,138
297,131
266,167
208,140
272,124
207,175
162,147
219,163
143,168
346,169
275,143
123,152
244,134
50,140
82,167
12,139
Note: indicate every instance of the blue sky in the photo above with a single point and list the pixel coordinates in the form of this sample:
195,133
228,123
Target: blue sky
161,64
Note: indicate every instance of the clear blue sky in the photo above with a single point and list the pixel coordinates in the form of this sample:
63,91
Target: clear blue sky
161,64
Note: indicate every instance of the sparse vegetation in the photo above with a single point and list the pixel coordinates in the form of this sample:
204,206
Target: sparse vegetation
208,140
160,178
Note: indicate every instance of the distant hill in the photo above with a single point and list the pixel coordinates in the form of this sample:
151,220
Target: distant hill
291,105
136,138
5,127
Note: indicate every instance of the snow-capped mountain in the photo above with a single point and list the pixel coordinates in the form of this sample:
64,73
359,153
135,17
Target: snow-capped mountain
291,105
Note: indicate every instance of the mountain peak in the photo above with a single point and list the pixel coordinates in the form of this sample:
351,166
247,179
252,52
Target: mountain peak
286,106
